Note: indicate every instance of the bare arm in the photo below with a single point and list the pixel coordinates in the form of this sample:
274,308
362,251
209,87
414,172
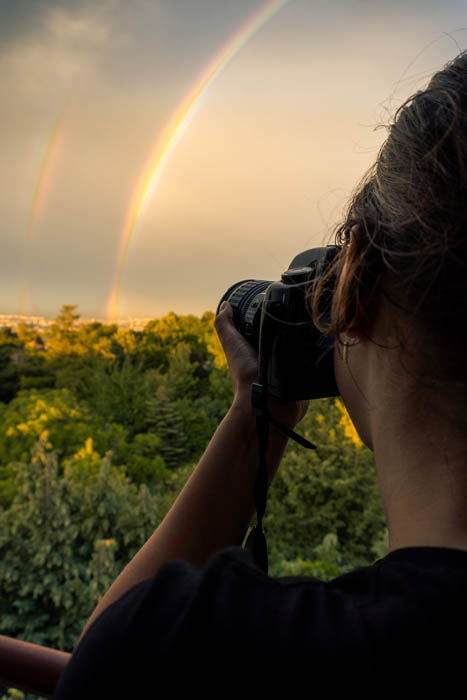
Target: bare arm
213,510
215,507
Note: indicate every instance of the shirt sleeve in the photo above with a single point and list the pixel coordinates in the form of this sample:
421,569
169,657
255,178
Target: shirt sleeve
230,629
112,656
187,626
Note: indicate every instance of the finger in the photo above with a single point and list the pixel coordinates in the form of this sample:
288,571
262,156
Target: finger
233,342
226,308
224,324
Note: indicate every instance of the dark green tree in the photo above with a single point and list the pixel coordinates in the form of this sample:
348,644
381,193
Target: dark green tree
165,420
180,377
9,373
196,425
119,393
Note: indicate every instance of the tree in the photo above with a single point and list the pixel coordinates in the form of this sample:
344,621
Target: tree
119,393
328,562
66,318
160,336
22,362
61,336
127,341
69,422
90,340
28,336
165,420
68,533
196,423
331,490
180,379
143,461
9,374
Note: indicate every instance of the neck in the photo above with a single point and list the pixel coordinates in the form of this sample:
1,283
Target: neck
422,473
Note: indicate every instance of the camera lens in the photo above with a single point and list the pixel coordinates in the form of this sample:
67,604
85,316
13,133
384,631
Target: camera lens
246,298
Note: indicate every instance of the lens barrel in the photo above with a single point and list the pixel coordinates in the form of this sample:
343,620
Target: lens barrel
246,298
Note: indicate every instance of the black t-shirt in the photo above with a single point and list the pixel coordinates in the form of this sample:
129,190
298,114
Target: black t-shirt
229,627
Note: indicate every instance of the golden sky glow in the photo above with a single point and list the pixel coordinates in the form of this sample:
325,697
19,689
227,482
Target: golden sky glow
260,172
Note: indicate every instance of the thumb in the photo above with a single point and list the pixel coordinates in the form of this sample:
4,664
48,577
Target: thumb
241,356
224,320
226,309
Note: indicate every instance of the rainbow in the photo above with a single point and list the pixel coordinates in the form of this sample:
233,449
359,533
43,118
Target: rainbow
172,133
48,166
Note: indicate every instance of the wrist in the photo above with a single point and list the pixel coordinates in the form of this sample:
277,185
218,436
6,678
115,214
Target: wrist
242,411
242,408
289,413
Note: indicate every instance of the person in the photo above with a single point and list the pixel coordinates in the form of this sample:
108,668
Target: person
191,607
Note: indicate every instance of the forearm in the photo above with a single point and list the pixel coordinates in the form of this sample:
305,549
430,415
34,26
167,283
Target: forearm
215,507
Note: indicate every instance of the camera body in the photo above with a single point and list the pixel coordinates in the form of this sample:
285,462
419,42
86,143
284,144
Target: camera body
296,360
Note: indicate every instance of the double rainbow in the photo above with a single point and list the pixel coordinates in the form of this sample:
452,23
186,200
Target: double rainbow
172,133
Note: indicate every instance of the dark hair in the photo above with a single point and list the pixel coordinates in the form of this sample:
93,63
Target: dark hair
410,240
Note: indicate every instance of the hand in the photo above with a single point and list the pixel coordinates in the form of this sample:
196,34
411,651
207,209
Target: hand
242,359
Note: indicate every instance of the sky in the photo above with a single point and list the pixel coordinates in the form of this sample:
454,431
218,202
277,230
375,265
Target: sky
135,179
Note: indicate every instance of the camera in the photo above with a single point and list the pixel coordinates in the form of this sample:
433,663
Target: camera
296,360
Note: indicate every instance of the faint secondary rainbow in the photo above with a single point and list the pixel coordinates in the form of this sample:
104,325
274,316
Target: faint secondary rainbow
173,131
47,169
49,161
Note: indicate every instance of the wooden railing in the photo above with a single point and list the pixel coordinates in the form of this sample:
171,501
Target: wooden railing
30,667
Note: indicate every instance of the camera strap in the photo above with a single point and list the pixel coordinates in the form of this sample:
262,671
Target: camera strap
256,541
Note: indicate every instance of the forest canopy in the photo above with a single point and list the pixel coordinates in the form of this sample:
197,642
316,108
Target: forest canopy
100,428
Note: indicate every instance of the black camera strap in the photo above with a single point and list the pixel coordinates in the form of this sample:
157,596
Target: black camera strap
256,541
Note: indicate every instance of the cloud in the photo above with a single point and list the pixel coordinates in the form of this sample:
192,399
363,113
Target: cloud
59,50
74,31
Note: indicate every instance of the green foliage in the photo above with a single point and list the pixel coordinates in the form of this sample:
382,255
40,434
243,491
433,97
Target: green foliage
166,421
7,485
220,390
8,336
68,422
28,337
143,462
197,424
101,427
180,377
64,539
64,339
119,393
331,490
61,336
14,694
9,374
329,561
162,335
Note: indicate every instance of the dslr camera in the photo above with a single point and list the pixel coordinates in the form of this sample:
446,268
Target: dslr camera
296,360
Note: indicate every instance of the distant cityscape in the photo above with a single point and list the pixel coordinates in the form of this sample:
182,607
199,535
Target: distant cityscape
13,320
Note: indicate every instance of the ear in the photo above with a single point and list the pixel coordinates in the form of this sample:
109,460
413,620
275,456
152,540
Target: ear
359,303
345,292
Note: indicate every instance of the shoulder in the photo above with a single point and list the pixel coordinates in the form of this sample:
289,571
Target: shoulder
231,615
